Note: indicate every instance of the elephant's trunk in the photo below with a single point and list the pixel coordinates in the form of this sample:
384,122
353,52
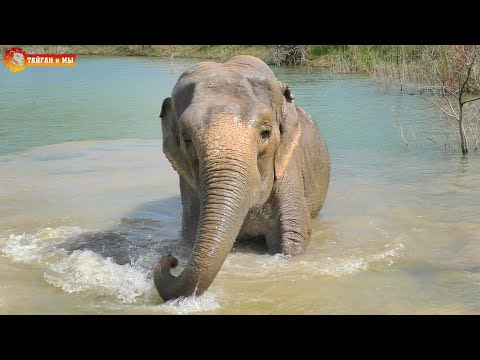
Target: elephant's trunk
224,203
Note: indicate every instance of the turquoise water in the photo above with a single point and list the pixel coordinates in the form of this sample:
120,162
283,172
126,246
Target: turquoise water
88,202
99,99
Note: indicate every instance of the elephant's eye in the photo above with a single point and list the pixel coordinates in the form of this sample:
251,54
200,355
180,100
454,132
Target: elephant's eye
187,141
265,133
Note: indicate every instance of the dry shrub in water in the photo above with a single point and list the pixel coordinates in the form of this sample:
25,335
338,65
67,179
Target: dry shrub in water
288,54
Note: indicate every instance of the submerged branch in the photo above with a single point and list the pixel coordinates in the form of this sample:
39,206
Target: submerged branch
399,127
429,138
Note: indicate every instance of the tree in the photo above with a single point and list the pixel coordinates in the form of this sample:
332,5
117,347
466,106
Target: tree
453,72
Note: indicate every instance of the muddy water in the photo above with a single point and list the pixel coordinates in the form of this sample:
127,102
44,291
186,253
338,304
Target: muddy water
88,203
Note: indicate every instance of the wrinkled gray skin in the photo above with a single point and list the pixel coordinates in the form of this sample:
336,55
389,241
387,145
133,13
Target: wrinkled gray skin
250,163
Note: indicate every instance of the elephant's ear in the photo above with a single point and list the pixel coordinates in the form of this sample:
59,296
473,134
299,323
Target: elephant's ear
171,142
290,131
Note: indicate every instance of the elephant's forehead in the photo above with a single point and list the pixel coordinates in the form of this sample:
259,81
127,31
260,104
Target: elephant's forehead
215,80
218,89
224,110
227,78
224,80
235,93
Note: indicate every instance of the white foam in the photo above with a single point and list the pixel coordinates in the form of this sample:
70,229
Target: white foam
192,304
85,271
338,267
392,253
283,267
344,266
31,248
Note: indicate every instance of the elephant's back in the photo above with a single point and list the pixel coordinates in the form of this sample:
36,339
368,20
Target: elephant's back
316,162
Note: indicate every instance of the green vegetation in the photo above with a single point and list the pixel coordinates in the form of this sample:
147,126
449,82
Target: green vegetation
316,51
339,58
169,51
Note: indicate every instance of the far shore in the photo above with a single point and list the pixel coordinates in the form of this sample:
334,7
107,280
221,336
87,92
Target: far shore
326,60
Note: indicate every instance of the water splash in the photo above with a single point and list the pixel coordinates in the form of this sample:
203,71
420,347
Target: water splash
192,304
281,267
92,274
81,271
85,271
344,266
31,248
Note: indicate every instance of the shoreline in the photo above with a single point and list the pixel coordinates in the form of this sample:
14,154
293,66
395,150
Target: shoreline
328,60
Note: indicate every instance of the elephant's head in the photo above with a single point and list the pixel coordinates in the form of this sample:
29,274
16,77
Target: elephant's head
229,130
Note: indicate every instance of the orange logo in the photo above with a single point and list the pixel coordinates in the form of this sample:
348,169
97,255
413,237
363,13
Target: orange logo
16,59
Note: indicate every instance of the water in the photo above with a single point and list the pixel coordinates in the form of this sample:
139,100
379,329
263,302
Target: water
88,203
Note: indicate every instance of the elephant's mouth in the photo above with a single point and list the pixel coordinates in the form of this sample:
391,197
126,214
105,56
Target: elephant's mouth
255,244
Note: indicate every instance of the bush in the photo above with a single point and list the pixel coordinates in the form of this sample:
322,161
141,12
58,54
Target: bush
288,54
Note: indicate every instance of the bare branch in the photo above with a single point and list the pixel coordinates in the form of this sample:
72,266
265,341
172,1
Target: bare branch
449,104
438,106
467,101
462,89
452,91
437,70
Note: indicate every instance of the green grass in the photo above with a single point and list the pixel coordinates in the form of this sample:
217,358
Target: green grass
316,51
340,58
184,51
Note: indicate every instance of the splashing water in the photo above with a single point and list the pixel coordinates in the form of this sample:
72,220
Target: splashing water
89,273
85,271
32,248
192,304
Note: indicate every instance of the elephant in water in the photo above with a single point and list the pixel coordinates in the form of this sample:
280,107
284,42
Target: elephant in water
251,165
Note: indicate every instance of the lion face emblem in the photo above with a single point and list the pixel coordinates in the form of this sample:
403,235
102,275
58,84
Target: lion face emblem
18,59
14,59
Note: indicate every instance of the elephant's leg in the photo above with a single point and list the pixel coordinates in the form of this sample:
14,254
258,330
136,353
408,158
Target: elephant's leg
294,227
191,209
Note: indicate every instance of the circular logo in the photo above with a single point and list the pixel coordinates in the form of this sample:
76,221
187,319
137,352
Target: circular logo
15,59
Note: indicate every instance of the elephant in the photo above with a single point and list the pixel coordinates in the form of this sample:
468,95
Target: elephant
251,164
